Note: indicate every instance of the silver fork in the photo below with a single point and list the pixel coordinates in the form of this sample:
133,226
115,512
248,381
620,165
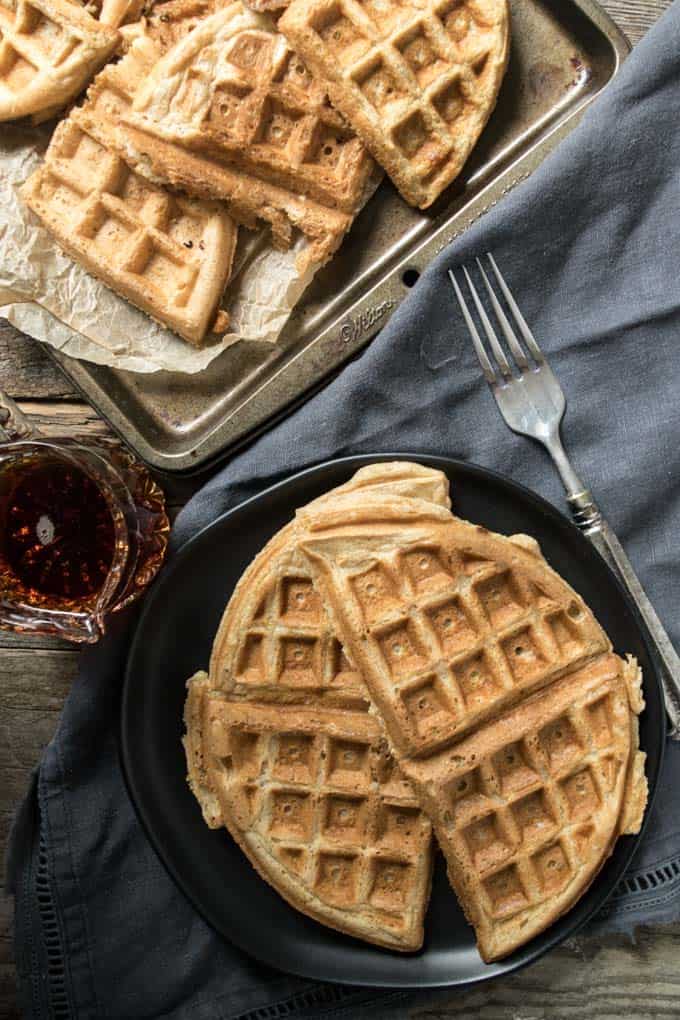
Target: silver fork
532,403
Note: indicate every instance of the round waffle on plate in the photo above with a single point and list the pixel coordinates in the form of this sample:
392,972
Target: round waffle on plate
489,675
519,766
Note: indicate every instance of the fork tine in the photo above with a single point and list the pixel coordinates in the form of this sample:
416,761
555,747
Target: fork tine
508,332
528,336
487,367
498,351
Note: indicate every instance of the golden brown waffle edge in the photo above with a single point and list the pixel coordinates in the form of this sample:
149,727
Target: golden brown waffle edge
416,79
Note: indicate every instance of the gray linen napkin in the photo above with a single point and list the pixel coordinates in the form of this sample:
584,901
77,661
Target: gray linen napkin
588,245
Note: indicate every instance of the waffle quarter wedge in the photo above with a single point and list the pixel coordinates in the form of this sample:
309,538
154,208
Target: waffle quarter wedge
315,802
416,79
528,808
168,255
281,748
451,622
49,50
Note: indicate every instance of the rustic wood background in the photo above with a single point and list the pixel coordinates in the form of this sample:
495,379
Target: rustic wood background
600,980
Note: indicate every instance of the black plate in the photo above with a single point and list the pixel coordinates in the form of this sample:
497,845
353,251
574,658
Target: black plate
174,638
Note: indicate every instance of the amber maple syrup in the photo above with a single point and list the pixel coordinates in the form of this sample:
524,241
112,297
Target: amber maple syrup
59,535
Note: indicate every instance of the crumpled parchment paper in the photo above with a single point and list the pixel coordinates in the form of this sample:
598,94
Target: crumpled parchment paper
45,294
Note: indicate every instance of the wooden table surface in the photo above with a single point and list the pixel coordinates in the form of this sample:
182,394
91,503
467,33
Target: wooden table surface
583,978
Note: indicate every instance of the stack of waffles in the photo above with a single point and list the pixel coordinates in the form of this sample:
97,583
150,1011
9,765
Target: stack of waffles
385,671
208,116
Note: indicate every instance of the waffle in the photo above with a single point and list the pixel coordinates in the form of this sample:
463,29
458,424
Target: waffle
317,807
416,79
169,256
457,623
502,701
231,113
281,749
528,808
195,239
49,50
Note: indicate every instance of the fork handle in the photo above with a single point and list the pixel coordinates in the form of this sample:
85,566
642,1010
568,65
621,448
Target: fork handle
587,516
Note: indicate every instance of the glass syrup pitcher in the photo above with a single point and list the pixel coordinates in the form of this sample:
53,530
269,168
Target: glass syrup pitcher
83,530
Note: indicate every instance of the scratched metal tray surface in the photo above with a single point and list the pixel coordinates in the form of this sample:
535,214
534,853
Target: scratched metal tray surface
564,52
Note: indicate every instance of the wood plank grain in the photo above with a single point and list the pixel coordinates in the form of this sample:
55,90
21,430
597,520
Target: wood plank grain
585,978
35,682
26,370
635,17
64,418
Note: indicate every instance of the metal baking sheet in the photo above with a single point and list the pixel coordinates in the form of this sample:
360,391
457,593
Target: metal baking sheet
564,52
